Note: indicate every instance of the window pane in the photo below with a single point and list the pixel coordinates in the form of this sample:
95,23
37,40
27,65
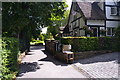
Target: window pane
108,31
113,10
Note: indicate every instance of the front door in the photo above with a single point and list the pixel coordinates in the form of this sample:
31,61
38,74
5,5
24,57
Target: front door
95,32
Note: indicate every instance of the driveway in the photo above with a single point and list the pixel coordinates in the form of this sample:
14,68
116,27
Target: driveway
37,64
101,66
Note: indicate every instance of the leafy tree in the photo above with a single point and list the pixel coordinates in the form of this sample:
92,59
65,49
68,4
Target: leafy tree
22,20
54,29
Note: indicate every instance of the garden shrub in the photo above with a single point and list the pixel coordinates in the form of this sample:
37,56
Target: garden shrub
117,36
41,37
9,56
89,43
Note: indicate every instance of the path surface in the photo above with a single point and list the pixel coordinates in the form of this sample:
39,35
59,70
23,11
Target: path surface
37,64
101,66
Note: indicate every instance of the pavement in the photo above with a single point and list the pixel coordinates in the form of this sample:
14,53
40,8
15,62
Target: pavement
38,64
101,66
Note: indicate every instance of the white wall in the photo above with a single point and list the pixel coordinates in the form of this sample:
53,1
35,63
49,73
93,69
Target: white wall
108,14
109,2
95,22
112,23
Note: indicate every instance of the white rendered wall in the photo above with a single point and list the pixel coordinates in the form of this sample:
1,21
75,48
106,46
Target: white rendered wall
108,14
112,23
109,2
95,22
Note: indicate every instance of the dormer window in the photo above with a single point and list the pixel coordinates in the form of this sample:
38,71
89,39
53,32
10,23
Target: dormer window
113,10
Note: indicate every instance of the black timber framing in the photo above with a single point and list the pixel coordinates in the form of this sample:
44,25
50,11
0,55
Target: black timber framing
76,19
76,27
112,19
105,15
98,31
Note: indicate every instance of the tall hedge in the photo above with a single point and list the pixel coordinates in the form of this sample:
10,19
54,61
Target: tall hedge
117,36
89,43
9,58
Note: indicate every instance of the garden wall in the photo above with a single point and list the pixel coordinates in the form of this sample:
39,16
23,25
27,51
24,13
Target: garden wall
82,47
87,54
50,46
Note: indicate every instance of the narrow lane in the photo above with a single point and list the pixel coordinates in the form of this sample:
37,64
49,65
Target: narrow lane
39,65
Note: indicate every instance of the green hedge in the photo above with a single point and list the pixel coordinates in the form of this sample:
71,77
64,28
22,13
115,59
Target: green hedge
89,43
9,58
117,35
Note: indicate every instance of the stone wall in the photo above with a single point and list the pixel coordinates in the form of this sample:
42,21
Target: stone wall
51,46
87,54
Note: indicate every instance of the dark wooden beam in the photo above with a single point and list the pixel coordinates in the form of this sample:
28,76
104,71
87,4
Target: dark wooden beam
112,19
112,5
76,27
76,19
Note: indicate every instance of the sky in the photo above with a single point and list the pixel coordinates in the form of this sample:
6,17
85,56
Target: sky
69,3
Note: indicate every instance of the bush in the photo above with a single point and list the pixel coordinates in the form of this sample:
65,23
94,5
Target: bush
9,58
117,36
36,42
89,43
41,37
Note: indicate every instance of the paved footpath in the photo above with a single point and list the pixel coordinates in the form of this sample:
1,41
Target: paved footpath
101,66
37,64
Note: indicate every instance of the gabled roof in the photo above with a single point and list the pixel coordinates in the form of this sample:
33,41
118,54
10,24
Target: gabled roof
91,10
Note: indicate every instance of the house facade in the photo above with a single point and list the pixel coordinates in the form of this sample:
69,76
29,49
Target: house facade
96,16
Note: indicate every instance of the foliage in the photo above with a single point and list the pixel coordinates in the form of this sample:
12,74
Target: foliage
54,29
35,42
25,18
87,30
117,36
49,36
41,37
9,58
89,43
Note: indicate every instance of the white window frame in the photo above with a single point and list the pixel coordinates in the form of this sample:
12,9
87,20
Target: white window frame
111,31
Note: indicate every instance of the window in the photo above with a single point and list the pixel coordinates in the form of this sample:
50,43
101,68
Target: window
113,10
110,31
